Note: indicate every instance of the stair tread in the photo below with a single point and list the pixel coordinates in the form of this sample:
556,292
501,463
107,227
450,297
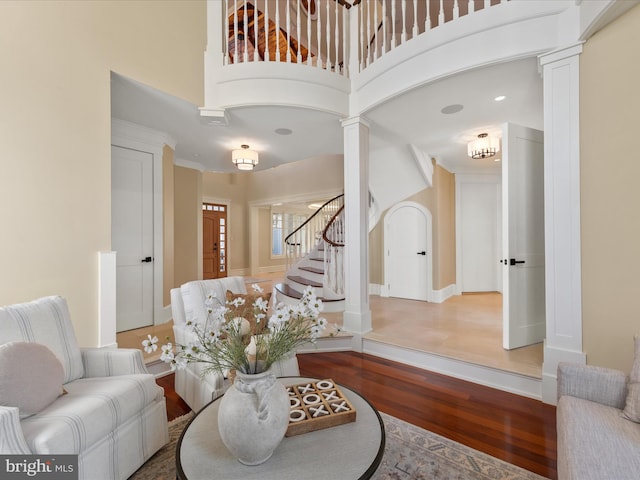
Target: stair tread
316,259
313,270
304,281
293,293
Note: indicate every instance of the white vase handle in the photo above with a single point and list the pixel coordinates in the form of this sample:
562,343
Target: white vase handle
262,389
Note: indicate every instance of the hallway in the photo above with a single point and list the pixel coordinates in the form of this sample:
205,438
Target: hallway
465,327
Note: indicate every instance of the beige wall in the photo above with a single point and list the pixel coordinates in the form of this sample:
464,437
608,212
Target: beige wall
440,201
188,225
250,190
610,197
55,192
167,223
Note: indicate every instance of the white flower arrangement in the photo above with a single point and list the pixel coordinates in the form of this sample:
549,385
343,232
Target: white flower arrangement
227,343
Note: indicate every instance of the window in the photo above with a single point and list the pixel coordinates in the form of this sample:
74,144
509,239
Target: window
282,224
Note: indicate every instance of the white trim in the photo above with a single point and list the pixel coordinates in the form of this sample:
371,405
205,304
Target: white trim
106,298
376,289
445,293
563,257
387,265
136,137
273,269
491,377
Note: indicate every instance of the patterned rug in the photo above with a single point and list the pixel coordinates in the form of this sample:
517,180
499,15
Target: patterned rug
411,453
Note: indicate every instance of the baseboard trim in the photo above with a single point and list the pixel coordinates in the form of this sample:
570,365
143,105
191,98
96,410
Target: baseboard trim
442,295
502,380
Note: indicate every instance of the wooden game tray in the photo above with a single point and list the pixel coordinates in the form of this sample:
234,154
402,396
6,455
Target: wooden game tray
317,405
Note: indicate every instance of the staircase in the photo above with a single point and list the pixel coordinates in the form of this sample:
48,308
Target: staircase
315,258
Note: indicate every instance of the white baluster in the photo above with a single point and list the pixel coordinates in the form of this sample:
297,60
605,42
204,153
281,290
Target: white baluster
265,25
336,39
277,32
299,53
235,31
362,50
288,29
345,44
470,3
393,24
225,29
309,33
328,34
427,21
376,31
456,10
441,14
384,26
368,33
245,31
414,31
318,36
487,3
255,31
403,37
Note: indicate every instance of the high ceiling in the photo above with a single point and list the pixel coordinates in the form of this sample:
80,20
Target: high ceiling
413,118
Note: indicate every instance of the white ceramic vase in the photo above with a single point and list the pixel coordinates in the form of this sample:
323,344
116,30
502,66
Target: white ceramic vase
253,417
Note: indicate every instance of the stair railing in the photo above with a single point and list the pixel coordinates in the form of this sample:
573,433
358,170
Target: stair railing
308,235
333,236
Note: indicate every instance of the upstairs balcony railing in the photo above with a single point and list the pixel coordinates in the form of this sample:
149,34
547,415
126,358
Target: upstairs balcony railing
334,35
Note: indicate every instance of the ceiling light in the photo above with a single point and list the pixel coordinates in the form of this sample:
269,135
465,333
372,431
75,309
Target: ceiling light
244,159
483,147
499,98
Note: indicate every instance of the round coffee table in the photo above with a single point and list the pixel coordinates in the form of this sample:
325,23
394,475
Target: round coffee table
350,451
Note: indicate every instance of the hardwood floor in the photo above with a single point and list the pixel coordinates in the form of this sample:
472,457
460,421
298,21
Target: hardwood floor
516,429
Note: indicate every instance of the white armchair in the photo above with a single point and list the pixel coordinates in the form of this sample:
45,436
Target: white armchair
111,413
188,303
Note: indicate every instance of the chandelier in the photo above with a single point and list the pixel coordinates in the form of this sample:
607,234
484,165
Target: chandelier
244,158
483,147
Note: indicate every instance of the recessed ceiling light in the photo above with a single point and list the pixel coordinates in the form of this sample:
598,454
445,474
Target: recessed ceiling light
283,131
499,98
450,109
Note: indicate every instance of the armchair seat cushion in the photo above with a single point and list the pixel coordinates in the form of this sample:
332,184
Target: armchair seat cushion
92,409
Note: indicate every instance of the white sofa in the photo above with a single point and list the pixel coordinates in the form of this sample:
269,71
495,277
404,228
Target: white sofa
188,303
111,413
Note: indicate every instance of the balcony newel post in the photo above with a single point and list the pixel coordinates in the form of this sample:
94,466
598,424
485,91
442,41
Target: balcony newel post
357,314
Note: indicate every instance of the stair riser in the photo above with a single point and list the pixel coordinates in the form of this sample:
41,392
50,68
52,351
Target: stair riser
300,287
337,306
316,277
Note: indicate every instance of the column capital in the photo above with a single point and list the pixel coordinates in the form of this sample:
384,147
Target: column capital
357,119
560,54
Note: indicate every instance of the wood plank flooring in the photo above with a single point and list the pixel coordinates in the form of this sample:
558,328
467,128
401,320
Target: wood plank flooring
516,429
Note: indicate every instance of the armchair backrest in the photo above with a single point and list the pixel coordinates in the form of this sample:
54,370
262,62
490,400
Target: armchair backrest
45,321
194,295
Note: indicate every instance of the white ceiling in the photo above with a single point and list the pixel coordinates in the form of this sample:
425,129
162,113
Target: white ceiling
412,118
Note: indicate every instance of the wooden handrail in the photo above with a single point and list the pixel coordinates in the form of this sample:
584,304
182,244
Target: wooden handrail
317,212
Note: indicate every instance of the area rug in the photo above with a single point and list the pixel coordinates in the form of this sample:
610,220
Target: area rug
411,453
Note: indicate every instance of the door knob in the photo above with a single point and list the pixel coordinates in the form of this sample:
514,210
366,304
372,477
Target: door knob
422,253
146,260
513,261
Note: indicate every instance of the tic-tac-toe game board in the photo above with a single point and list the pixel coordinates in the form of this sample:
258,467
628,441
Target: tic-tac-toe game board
317,405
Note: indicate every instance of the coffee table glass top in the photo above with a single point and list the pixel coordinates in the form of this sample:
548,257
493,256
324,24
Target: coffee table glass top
350,451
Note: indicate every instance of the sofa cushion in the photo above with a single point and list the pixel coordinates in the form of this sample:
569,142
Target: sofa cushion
595,442
45,321
194,295
632,406
31,377
92,410
246,310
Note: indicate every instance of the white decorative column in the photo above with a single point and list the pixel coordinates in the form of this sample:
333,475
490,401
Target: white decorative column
357,314
561,83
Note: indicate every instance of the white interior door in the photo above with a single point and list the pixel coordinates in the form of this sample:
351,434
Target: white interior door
479,211
132,236
408,262
523,236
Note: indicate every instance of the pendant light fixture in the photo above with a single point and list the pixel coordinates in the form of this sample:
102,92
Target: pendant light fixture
244,158
484,146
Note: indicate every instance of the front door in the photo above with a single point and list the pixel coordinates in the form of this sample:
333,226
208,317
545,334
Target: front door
132,236
214,240
408,252
523,236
